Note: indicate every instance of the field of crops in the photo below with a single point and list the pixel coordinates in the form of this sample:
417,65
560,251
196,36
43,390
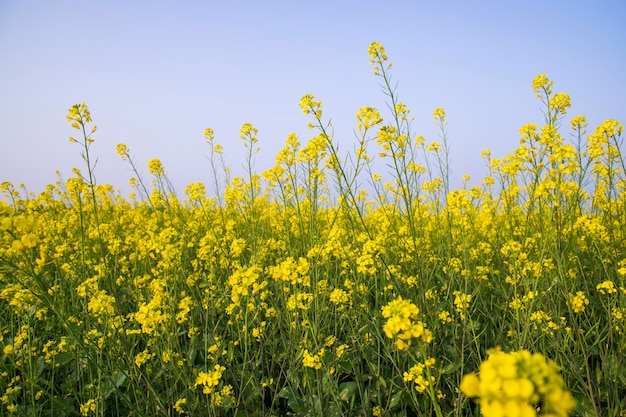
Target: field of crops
326,286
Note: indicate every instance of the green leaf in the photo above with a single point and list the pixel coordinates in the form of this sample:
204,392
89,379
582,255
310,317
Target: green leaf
395,399
113,384
294,401
63,358
347,390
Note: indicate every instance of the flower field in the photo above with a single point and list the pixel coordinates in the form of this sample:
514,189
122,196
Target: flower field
332,284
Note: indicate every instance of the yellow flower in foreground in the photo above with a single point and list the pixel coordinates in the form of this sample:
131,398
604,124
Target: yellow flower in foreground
515,384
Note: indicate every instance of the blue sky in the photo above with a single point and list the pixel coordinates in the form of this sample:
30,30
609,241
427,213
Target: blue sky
155,74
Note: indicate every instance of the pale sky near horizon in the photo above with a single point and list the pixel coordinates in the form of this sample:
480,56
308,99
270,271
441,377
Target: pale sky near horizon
156,73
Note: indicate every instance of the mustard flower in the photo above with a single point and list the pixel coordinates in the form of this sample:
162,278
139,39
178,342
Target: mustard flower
445,317
156,167
248,132
184,307
376,52
209,380
101,304
368,117
401,323
299,301
439,115
308,105
179,405
78,114
542,82
606,287
89,407
341,349
143,357
560,102
515,384
196,191
122,150
209,134
578,302
416,375
461,303
579,123
434,147
610,127
312,361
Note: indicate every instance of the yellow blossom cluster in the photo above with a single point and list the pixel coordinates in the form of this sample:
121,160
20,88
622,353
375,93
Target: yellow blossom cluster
209,380
312,361
416,375
518,384
402,324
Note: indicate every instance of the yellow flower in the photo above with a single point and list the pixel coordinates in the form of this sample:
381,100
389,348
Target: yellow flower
376,52
341,349
143,357
578,302
560,102
312,361
606,287
513,384
445,317
89,407
579,123
179,405
78,113
101,304
122,150
338,296
210,380
439,115
540,82
401,324
308,105
416,375
209,134
9,350
368,117
461,303
248,132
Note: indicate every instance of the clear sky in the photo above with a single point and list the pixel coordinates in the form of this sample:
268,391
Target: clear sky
156,73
